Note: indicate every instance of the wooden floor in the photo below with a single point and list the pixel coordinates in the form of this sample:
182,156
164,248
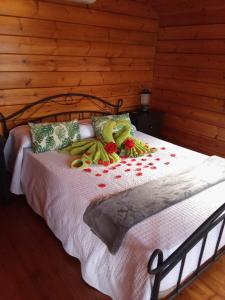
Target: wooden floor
34,266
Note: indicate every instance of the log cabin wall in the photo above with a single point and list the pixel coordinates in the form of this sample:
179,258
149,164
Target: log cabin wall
49,47
189,78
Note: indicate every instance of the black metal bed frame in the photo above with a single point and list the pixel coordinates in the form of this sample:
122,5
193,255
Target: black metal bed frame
163,267
69,99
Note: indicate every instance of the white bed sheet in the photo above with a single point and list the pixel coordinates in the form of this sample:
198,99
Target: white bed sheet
61,195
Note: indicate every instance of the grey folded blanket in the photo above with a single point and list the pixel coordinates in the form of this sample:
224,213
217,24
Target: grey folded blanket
112,217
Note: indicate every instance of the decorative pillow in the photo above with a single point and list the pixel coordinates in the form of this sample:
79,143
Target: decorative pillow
54,136
99,122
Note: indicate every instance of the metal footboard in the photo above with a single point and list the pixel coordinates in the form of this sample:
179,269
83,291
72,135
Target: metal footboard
179,256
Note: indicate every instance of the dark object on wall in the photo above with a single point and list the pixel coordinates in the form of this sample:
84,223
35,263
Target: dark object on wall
149,122
145,99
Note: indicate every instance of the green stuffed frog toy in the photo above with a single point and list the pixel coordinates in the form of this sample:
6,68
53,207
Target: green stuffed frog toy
109,148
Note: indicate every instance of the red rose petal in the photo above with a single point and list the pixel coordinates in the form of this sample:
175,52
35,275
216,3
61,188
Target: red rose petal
138,169
124,156
118,176
172,155
98,174
167,163
139,164
100,162
105,171
127,170
112,168
105,163
139,174
102,185
88,170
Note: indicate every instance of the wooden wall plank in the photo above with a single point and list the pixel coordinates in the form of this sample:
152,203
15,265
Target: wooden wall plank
190,126
49,47
200,61
127,7
191,86
193,32
70,63
212,16
167,7
189,73
61,30
59,12
194,74
192,100
30,45
45,79
192,46
190,113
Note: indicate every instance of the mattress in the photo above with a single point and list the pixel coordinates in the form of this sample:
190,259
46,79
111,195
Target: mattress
60,195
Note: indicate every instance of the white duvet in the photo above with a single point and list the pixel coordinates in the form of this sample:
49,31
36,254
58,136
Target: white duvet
60,195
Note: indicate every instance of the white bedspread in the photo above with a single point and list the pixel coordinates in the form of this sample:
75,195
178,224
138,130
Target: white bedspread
61,195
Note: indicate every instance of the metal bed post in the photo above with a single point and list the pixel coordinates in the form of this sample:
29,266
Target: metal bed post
163,268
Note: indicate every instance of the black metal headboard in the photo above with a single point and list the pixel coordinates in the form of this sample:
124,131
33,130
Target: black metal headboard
73,101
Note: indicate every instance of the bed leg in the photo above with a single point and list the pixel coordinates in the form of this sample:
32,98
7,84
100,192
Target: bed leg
4,194
157,280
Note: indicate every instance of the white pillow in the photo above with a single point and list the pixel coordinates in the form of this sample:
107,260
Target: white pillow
87,131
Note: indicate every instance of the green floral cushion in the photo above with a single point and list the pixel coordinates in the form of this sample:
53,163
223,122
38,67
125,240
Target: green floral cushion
54,136
99,122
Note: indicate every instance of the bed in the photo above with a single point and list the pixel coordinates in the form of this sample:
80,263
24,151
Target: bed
158,256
